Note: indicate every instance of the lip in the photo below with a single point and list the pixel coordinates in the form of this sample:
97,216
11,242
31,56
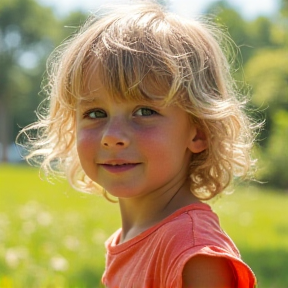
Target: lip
118,166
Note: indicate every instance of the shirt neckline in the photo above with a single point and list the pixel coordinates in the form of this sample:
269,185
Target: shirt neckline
112,243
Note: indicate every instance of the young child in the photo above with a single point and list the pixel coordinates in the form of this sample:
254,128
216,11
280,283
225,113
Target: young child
142,107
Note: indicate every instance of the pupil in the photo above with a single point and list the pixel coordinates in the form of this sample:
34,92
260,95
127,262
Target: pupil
146,112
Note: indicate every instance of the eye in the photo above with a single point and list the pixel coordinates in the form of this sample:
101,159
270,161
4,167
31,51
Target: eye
95,114
145,112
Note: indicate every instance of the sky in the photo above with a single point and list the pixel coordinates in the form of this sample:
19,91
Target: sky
249,8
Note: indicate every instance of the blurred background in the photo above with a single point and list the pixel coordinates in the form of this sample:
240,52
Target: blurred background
52,236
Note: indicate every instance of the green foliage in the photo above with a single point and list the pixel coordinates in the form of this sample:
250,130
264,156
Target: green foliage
263,43
284,8
72,23
53,237
267,72
276,155
23,44
28,34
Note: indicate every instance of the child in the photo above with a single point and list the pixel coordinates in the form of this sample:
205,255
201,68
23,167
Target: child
142,106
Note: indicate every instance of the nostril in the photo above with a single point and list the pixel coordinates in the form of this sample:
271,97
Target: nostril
107,144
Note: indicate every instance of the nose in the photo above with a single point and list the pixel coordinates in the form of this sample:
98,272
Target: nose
115,134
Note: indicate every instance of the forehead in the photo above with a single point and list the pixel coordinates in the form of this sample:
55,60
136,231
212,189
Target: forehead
121,82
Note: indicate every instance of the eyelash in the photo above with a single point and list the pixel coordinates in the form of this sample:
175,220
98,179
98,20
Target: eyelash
104,114
153,112
87,113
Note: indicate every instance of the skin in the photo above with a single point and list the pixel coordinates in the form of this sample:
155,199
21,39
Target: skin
139,151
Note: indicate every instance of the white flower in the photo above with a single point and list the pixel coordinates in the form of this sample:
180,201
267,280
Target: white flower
4,221
28,227
29,210
44,219
99,236
71,243
59,263
13,256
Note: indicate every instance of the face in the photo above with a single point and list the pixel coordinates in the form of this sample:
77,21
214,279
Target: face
132,149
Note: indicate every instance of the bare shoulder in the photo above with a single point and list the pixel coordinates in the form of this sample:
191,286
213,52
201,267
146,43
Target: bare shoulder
207,271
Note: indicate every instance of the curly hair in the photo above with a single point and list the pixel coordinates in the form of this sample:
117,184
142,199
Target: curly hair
137,49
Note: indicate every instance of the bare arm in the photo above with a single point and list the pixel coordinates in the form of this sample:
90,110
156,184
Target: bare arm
209,272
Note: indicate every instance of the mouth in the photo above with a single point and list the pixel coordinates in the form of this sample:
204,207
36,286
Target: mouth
123,164
118,166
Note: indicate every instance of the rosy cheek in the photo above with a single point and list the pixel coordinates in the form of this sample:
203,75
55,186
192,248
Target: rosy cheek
86,141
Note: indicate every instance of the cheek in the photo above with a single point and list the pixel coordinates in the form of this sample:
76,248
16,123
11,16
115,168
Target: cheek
86,145
166,147
155,145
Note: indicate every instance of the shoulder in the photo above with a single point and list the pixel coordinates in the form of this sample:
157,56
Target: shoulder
205,271
191,216
198,226
194,226
197,241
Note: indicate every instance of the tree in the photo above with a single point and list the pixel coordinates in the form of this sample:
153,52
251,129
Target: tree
263,42
284,8
28,34
267,72
24,42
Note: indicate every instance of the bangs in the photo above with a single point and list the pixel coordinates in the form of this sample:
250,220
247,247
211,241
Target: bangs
126,73
131,58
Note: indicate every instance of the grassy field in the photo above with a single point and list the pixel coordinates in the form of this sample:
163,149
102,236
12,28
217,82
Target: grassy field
52,236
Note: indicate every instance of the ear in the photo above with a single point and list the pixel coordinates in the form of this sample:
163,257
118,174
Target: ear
198,143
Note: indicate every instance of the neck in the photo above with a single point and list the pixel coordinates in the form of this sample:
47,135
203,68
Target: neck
139,214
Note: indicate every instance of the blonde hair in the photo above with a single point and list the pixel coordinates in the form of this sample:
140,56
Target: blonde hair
137,49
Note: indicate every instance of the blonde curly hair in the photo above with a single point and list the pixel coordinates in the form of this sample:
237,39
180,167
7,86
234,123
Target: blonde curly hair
140,48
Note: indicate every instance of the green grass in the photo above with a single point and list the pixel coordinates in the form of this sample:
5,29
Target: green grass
52,236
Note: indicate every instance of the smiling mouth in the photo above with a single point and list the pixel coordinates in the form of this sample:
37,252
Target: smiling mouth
118,164
118,167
